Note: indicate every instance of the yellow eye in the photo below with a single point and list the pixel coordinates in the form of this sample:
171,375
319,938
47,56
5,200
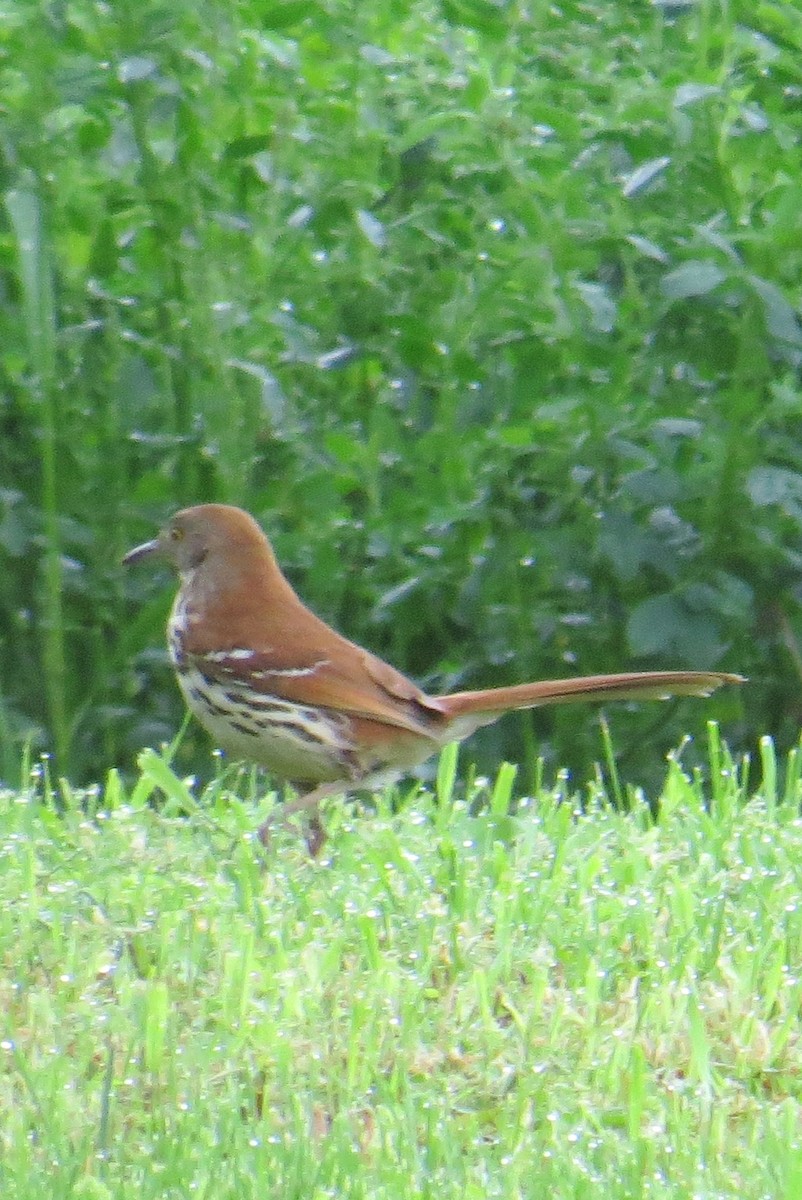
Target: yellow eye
176,534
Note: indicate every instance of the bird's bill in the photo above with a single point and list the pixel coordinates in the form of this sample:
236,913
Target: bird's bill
138,552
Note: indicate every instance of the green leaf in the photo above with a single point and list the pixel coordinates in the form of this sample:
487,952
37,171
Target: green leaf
244,147
696,277
286,15
274,401
782,321
623,543
377,56
334,359
648,248
768,485
666,626
372,228
679,427
136,68
160,774
394,595
603,309
691,93
638,180
754,118
485,16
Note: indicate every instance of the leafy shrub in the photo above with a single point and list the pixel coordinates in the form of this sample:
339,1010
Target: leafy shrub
488,315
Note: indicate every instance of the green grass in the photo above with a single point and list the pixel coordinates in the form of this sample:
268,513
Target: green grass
563,1001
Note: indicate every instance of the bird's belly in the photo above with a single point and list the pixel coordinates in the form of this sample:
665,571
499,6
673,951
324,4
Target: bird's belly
298,743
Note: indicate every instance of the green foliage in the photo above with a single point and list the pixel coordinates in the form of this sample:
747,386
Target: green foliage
561,1001
487,311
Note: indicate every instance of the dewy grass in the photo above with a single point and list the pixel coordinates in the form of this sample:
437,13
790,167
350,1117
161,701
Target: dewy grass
563,1000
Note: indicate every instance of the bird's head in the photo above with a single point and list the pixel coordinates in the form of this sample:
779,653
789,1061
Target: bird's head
219,538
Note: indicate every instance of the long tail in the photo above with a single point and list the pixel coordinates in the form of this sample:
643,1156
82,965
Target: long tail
641,685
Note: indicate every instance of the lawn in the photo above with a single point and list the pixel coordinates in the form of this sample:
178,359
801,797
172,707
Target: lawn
457,1000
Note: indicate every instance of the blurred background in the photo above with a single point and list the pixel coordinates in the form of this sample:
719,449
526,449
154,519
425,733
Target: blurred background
490,318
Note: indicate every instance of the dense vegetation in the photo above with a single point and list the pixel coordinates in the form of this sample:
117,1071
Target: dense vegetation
487,310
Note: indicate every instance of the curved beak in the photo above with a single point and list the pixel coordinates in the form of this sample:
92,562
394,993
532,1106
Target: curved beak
133,556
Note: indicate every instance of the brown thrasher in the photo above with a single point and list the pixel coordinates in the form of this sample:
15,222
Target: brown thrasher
273,683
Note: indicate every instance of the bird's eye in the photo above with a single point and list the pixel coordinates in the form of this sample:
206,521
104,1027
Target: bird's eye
176,534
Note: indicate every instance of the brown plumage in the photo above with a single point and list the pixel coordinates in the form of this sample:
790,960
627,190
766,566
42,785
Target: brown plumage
274,684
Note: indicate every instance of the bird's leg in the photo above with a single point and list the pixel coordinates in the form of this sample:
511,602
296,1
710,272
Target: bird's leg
309,802
315,835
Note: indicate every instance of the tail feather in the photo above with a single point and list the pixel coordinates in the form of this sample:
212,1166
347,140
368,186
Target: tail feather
640,685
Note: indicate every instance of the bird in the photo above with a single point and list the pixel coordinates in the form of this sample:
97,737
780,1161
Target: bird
274,684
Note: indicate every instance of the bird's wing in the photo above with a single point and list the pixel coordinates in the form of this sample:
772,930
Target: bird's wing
342,677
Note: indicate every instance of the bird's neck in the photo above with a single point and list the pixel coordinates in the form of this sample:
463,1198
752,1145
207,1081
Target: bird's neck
216,586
